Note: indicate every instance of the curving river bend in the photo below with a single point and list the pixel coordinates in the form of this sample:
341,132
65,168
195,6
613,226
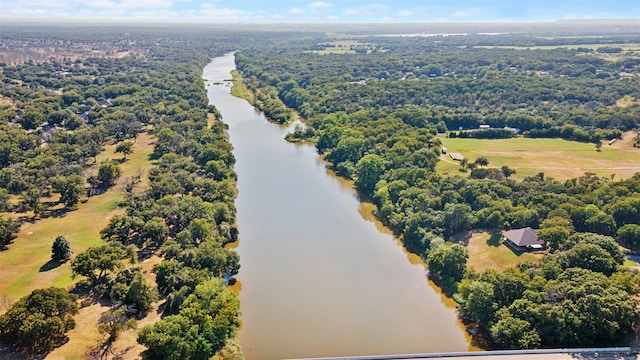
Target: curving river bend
319,276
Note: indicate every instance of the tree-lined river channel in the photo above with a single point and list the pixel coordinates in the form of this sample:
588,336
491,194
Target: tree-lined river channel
320,277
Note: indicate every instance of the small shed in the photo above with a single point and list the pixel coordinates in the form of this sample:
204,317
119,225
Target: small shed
524,239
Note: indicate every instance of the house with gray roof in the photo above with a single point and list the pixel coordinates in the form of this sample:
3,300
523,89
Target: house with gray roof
524,239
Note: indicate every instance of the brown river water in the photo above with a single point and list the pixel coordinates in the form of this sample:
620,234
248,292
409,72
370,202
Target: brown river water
320,276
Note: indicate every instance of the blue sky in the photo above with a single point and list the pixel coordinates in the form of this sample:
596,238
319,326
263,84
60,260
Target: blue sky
275,11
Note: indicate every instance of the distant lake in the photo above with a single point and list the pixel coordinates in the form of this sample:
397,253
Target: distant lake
320,277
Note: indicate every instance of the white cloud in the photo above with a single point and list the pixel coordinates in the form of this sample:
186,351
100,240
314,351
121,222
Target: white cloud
320,5
372,10
123,4
466,13
210,11
405,13
296,11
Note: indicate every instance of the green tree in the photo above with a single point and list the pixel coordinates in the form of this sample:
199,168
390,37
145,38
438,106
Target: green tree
39,320
625,211
479,303
61,249
220,261
507,171
591,257
217,170
601,223
169,338
8,230
510,333
108,173
31,200
457,217
125,147
482,161
369,169
70,188
140,295
349,148
125,229
5,205
32,118
607,243
449,261
555,231
202,229
629,235
97,262
155,230
207,319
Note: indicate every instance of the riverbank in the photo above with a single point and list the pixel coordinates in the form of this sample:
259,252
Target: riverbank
239,89
314,271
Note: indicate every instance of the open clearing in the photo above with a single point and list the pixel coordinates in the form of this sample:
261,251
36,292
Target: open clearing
557,158
487,251
85,338
26,265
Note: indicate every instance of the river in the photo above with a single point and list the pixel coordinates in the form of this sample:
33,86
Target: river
319,278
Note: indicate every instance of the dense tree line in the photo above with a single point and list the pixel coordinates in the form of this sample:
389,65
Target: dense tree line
462,86
62,113
375,118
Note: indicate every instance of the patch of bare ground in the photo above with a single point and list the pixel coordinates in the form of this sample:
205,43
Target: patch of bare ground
626,143
5,101
86,342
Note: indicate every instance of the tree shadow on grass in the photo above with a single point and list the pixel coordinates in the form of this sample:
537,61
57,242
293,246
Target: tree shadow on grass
10,352
56,213
50,265
495,239
90,293
463,237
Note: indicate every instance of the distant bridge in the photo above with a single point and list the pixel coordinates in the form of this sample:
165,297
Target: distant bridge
619,353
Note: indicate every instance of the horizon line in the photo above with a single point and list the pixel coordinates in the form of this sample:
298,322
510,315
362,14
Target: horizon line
134,21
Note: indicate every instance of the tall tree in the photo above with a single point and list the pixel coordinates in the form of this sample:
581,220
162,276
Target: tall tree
368,171
125,147
8,230
61,249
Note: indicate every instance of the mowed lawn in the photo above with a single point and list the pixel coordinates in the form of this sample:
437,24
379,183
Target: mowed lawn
487,251
25,265
557,158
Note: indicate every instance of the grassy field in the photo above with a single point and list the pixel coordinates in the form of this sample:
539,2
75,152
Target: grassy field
487,251
557,158
25,265
327,51
626,101
239,89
